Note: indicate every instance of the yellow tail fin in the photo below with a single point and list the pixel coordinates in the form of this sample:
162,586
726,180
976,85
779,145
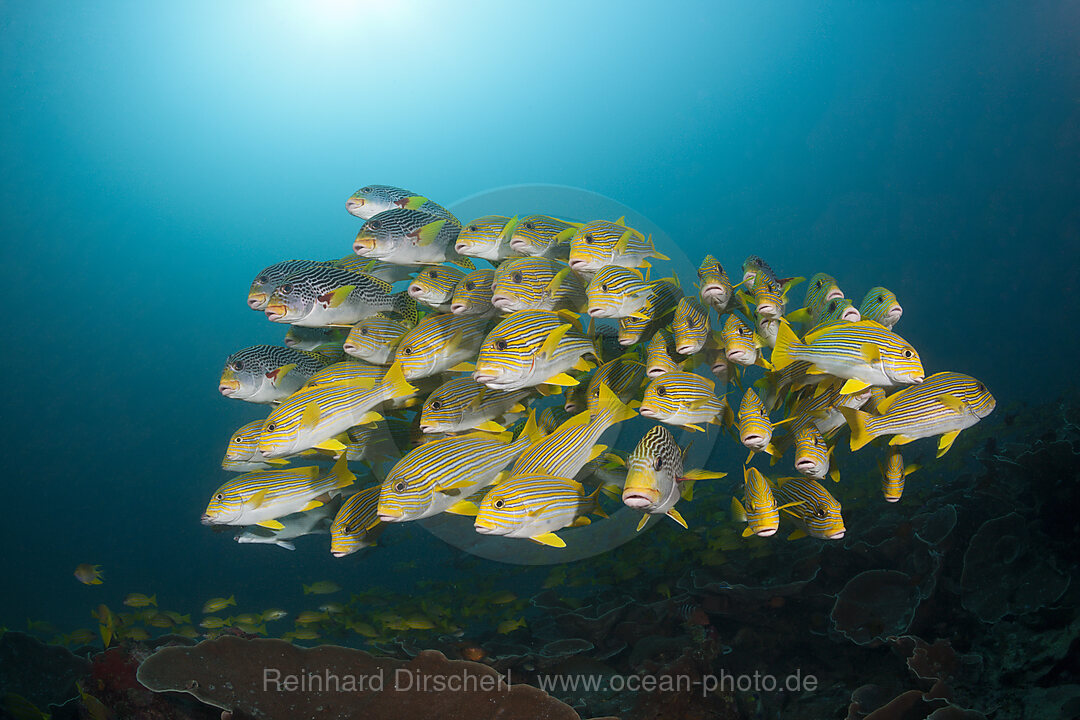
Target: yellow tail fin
341,471
399,386
786,343
610,403
531,431
856,420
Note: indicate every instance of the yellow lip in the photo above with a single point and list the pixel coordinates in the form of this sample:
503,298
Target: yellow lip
483,523
229,381
277,309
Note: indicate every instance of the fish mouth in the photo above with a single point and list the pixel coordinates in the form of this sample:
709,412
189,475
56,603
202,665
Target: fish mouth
349,348
207,520
579,265
851,314
916,379
655,372
736,356
462,248
388,516
894,314
227,390
363,246
892,499
518,245
501,301
834,294
483,527
276,312
766,532
647,412
257,301
714,292
639,497
457,308
754,441
484,376
836,535
805,466
353,205
340,553
767,310
685,349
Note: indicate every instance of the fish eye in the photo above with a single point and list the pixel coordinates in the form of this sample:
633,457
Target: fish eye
517,277
400,486
365,190
589,239
817,284
820,512
407,350
661,391
372,225
237,365
435,404
980,387
744,331
528,225
881,298
239,438
433,273
261,279
499,503
470,286
471,228
604,287
363,331
348,529
219,496
908,353
500,345
271,427
286,288
658,464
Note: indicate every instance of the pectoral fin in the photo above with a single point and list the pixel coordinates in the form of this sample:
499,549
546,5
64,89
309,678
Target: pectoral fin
427,234
549,539
853,386
946,442
562,379
271,525
463,507
674,515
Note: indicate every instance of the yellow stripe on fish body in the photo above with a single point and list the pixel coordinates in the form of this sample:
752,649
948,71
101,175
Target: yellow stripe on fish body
690,326
312,417
657,358
410,237
258,498
375,339
550,418
767,298
472,296
661,304
601,242
488,237
352,526
819,292
434,286
265,374
754,267
752,421
543,235
533,347
758,508
893,474
464,404
816,509
616,292
944,404
714,286
350,371
812,454
683,398
534,506
566,450
436,477
624,376
881,305
439,343
742,345
242,452
864,352
536,284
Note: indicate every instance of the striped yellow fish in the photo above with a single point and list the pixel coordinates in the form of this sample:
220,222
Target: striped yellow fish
543,236
864,353
533,347
536,284
684,398
624,376
813,456
818,512
893,474
758,508
259,498
944,404
410,237
439,343
767,329
534,507
350,371
566,450
242,454
437,477
434,286
464,404
881,305
660,306
370,200
599,243
488,237
821,290
311,418
766,299
356,524
658,359
550,418
752,422
741,344
473,294
268,374
375,339
655,478
714,287
690,326
616,292
835,311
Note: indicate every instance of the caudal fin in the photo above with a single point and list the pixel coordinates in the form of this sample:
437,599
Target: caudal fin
856,420
786,343
610,403
399,387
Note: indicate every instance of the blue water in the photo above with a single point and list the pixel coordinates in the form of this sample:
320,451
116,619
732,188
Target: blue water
155,156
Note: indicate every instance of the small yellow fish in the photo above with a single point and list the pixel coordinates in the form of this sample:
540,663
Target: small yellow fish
301,635
419,622
509,626
138,600
310,617
214,605
322,587
89,574
273,614
212,623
